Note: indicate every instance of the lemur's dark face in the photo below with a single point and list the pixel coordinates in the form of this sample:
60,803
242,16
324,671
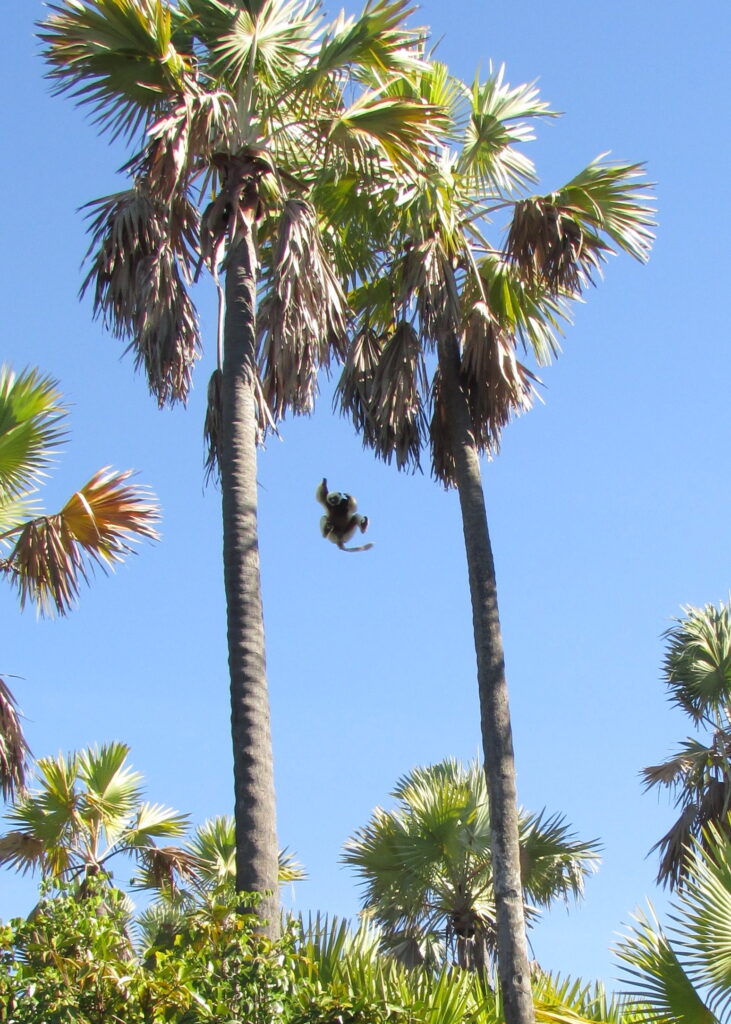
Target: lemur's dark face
335,499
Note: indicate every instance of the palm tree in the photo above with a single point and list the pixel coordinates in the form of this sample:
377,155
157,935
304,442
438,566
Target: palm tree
428,873
46,557
88,809
697,670
433,365
682,975
274,111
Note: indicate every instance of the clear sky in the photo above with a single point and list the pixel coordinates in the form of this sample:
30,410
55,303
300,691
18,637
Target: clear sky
608,505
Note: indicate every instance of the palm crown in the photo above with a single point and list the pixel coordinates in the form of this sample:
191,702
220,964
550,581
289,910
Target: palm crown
697,670
427,870
258,95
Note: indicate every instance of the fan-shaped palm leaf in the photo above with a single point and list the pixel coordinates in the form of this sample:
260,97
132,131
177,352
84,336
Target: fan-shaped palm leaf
87,810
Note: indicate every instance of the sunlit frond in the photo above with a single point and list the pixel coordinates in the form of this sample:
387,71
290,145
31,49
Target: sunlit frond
657,978
117,56
270,41
53,554
30,415
564,238
14,750
500,118
400,128
376,42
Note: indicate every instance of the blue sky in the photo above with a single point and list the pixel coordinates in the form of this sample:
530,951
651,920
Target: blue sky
608,505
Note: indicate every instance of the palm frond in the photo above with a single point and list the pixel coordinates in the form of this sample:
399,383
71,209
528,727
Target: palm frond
116,56
697,663
500,118
554,862
52,555
376,42
14,750
22,851
163,868
657,977
302,317
143,254
560,238
30,415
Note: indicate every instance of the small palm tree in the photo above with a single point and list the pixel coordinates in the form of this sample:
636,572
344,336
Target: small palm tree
284,119
682,974
428,873
697,671
47,557
88,809
434,364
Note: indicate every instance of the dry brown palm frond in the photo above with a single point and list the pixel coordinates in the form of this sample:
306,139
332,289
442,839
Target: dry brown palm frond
552,247
498,386
143,249
163,867
396,403
183,140
212,426
22,851
354,392
14,750
53,554
428,279
443,465
302,318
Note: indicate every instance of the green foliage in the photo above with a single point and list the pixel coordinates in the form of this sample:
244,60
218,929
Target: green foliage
72,960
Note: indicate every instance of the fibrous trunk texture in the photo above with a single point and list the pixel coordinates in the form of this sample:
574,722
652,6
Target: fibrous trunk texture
255,813
497,741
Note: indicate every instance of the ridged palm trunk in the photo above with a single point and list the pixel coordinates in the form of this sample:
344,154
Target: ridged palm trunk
497,741
255,813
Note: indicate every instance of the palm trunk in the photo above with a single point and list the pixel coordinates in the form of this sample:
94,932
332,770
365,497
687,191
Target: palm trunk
255,814
497,741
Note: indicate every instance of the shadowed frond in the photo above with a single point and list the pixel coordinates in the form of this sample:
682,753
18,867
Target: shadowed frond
354,393
163,868
14,750
53,554
302,317
697,663
143,254
396,406
290,869
498,386
117,56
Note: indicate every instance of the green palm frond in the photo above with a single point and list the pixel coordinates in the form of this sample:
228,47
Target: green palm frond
657,977
397,127
697,664
14,750
500,118
290,869
30,415
554,862
117,56
376,42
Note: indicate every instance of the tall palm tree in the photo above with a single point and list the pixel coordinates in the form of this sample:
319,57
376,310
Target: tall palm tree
427,866
47,556
262,103
682,974
88,809
433,364
697,670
